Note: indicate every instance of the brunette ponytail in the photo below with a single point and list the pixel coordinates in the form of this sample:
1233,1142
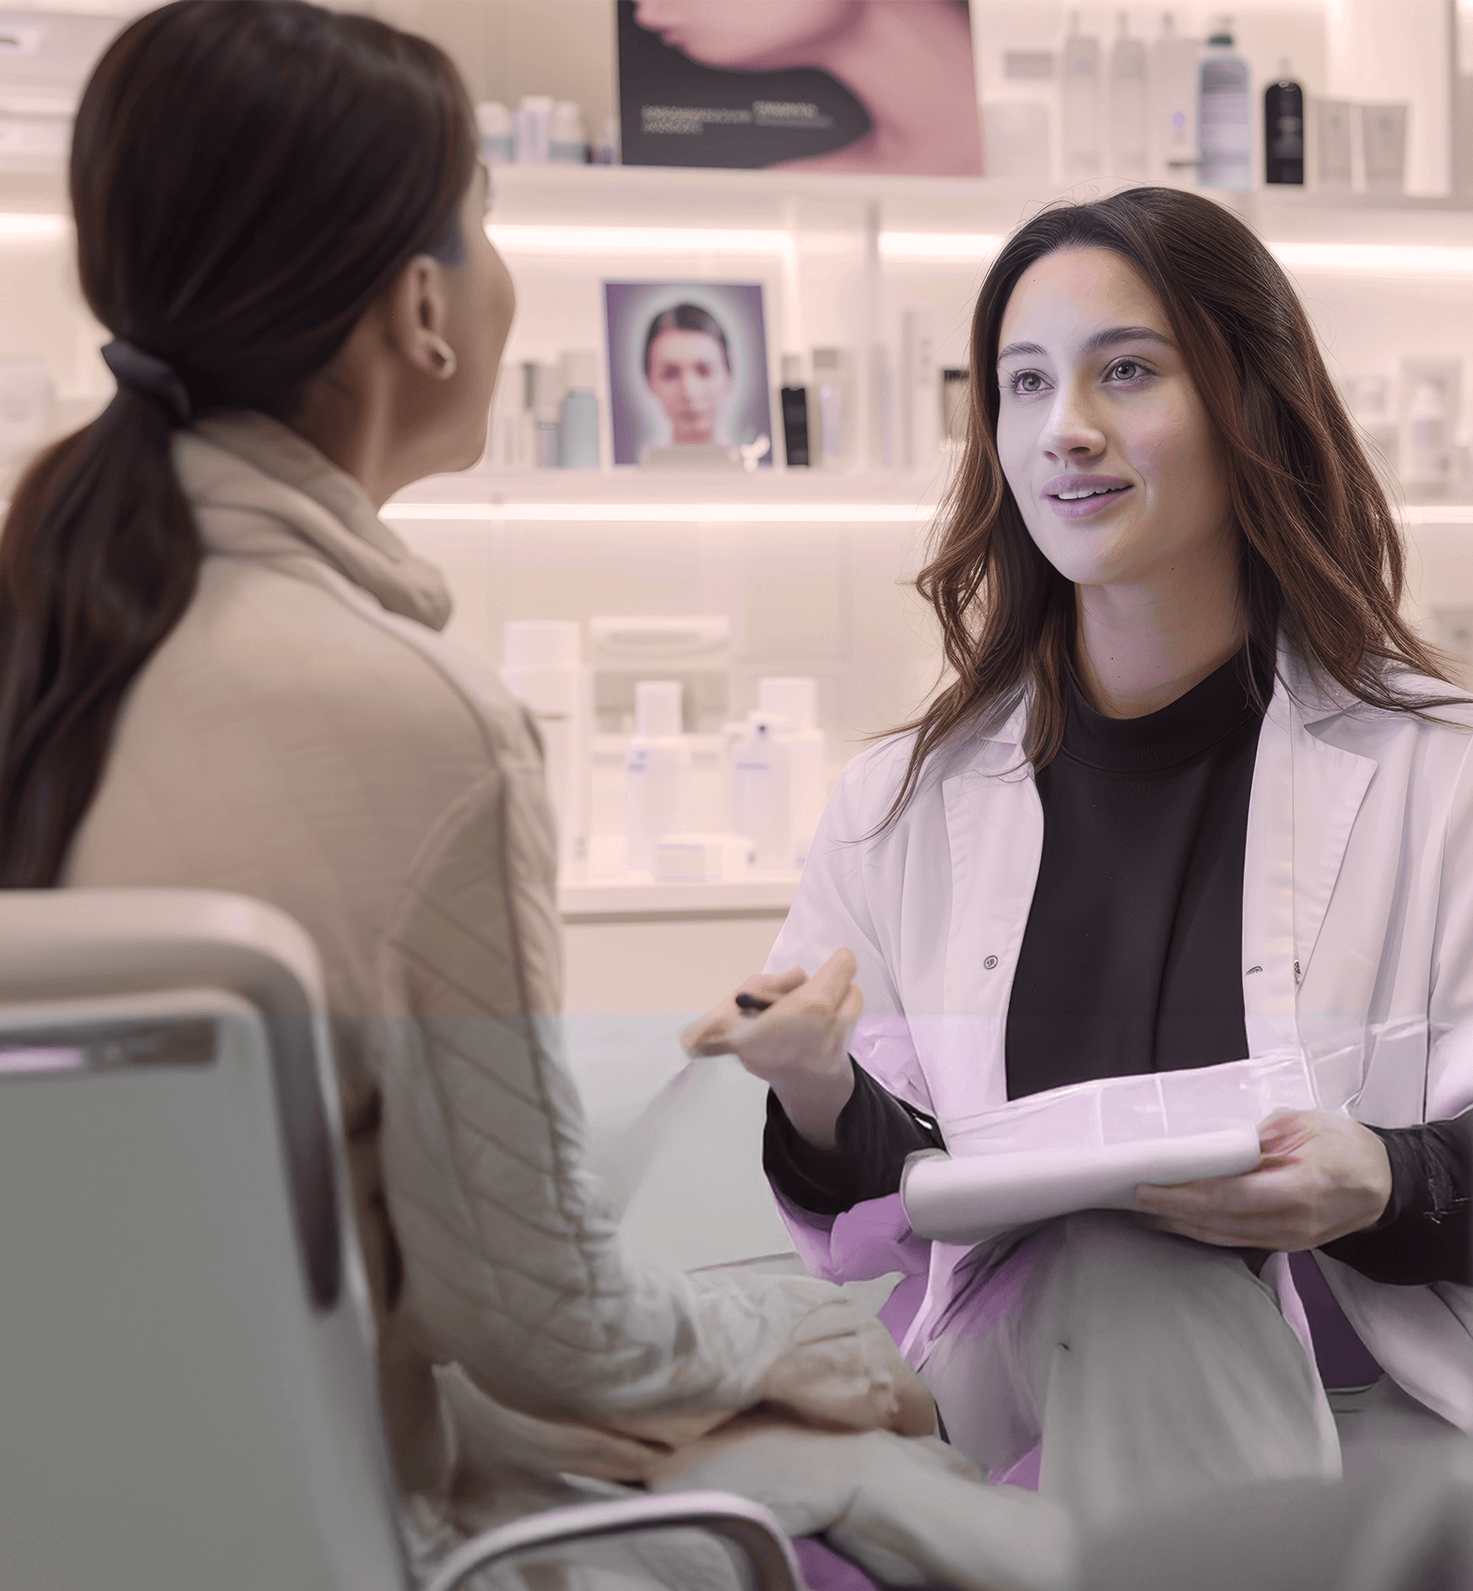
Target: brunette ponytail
248,177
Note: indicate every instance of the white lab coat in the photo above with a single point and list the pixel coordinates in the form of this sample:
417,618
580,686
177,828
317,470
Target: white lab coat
1357,951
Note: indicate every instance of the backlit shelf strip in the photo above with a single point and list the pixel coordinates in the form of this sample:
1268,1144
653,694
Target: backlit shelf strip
727,513
1373,259
1437,514
755,513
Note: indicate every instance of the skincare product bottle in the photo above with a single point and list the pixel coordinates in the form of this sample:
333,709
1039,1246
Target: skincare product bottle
1174,62
657,772
27,405
760,791
834,391
577,433
567,141
1016,136
791,704
1129,105
498,137
919,390
1081,104
882,407
955,402
793,396
606,148
545,401
534,129
1428,428
1384,147
542,668
1334,143
1018,132
1283,130
1224,125
703,857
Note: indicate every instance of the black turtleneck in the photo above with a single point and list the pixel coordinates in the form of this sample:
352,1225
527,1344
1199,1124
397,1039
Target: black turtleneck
1130,963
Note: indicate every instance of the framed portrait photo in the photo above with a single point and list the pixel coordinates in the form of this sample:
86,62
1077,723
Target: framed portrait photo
688,369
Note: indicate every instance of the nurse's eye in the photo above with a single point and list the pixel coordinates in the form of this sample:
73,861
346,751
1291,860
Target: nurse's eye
1024,383
1128,370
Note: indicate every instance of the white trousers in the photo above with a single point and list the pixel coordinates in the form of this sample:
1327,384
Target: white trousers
1151,1366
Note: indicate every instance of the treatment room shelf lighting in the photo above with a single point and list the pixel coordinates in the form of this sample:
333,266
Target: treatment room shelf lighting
728,513
1368,259
738,513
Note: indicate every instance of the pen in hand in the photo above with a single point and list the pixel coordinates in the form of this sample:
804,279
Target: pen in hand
751,1004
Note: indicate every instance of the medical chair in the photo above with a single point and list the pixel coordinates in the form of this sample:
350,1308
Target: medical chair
187,1397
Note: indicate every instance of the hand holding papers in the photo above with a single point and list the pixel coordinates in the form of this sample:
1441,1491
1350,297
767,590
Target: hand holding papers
1090,1145
1322,1176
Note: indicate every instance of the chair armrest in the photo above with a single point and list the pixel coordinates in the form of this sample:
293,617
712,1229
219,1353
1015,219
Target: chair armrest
748,1526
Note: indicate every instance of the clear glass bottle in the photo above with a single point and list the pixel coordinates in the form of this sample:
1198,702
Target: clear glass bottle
1129,105
1224,123
1081,104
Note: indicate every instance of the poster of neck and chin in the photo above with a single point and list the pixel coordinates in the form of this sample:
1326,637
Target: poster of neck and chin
869,86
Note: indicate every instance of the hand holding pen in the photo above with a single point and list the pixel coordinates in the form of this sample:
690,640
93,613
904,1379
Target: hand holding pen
793,1032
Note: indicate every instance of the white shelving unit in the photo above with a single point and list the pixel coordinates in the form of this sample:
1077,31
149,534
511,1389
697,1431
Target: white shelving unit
809,565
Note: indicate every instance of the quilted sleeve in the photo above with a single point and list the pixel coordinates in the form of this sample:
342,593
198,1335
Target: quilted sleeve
511,1263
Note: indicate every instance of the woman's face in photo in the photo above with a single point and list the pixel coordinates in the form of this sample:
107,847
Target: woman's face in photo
1115,465
688,374
747,34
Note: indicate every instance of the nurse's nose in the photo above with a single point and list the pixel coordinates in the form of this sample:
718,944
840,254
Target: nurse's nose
1072,429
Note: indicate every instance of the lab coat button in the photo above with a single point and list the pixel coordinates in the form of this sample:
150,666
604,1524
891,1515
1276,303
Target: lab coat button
990,963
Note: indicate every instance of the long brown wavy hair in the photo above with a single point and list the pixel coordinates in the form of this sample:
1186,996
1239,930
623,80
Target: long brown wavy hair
1322,556
247,177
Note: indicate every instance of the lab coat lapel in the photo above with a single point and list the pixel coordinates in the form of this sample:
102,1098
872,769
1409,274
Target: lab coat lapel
1268,890
1305,800
994,824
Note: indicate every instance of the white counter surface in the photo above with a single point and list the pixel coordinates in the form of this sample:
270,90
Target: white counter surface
763,894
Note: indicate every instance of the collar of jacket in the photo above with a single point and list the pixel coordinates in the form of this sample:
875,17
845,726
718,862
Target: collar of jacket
1296,693
259,490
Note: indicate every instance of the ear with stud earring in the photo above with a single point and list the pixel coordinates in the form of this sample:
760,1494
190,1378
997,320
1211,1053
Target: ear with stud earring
444,353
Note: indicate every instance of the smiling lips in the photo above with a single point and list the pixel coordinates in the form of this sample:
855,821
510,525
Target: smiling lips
1078,496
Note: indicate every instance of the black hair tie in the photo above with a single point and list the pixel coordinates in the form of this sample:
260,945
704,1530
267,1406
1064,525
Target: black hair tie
151,377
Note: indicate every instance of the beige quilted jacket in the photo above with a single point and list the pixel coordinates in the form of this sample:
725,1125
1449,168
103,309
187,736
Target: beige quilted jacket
304,736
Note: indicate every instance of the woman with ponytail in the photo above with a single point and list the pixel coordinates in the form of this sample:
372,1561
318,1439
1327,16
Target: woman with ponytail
219,669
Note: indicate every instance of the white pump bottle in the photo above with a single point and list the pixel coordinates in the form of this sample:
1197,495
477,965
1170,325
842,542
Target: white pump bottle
657,772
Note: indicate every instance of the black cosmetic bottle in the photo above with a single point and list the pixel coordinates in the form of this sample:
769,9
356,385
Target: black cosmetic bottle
794,397
1283,130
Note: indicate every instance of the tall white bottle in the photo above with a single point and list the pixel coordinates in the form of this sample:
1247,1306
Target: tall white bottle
1224,114
761,785
792,704
1174,89
542,667
1081,104
920,390
657,772
1130,108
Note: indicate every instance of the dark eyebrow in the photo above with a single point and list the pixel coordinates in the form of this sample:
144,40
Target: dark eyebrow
1109,338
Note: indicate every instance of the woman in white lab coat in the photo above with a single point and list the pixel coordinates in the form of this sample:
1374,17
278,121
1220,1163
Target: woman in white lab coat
1196,797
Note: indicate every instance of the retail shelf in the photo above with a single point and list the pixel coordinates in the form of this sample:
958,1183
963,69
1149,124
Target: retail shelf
626,212
1416,514
940,220
635,496
761,895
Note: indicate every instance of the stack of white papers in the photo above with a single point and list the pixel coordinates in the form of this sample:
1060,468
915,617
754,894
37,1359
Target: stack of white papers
1087,1146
